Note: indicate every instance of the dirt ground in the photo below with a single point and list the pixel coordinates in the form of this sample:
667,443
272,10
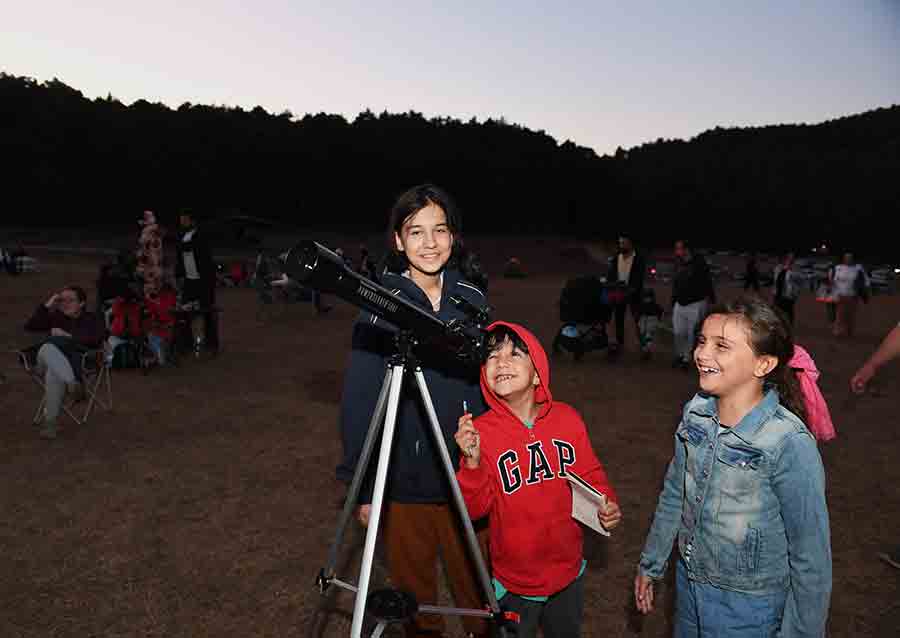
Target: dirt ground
205,503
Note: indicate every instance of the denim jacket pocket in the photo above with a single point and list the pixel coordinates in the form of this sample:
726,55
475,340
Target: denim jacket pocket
692,434
742,458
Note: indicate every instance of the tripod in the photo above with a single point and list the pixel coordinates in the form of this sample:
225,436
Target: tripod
388,606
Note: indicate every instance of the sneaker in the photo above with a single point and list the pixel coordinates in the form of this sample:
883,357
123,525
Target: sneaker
892,559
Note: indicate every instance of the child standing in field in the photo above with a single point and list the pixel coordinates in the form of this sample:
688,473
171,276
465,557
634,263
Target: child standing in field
425,247
514,471
650,315
744,495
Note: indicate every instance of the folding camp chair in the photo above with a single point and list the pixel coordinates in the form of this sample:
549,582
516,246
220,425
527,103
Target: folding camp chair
95,379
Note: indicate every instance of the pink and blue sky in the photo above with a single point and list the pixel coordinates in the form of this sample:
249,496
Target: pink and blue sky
602,74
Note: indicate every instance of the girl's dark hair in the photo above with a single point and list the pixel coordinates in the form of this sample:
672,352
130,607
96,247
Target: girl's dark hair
414,200
79,292
770,335
500,335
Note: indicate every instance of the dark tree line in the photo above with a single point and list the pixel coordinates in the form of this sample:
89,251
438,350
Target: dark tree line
92,162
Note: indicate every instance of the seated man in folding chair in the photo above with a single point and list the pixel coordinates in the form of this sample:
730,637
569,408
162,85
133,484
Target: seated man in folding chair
72,332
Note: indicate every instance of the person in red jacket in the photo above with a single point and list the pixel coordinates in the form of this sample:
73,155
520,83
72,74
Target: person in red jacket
513,469
161,321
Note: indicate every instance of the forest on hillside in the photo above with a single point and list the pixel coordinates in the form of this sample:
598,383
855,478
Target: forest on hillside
71,160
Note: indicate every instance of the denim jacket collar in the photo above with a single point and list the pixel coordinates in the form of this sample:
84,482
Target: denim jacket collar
706,406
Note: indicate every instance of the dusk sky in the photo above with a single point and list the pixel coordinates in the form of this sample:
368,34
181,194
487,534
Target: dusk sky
602,74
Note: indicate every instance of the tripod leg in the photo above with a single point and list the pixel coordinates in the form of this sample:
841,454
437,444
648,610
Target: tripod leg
472,541
384,457
362,466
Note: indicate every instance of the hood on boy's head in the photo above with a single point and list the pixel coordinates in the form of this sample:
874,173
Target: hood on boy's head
542,394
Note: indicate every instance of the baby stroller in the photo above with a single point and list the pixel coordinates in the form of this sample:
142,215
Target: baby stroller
584,309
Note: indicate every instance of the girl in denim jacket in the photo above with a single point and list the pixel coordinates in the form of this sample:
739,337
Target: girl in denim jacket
744,495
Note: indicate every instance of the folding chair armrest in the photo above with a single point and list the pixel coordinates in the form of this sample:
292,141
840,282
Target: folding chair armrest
26,357
22,356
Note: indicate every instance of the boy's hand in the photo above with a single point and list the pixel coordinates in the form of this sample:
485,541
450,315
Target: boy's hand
643,593
468,441
362,514
611,517
51,302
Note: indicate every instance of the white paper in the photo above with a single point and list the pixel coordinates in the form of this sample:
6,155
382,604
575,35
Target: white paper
585,502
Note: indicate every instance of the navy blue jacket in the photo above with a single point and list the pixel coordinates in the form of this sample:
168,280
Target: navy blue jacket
416,473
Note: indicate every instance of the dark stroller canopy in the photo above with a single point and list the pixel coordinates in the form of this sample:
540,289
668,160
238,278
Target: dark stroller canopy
584,300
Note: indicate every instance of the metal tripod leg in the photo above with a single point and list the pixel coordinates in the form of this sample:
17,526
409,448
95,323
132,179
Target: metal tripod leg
384,456
362,465
472,541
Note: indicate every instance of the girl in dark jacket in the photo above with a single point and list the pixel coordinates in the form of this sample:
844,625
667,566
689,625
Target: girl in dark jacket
424,236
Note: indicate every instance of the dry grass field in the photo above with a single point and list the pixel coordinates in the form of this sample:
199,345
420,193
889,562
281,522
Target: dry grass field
205,503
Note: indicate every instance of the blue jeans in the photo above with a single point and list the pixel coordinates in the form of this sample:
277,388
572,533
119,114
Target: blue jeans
158,345
706,611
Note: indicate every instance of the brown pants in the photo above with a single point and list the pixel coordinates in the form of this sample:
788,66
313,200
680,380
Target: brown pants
415,534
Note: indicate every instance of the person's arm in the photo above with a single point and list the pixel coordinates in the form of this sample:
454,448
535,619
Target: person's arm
799,485
638,277
887,351
612,270
674,287
89,330
179,261
362,384
588,467
40,321
205,261
474,473
666,519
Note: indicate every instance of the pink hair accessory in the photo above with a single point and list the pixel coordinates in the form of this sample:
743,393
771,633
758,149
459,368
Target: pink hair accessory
818,417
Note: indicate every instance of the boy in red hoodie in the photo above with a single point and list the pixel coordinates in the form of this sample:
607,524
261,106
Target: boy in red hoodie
515,458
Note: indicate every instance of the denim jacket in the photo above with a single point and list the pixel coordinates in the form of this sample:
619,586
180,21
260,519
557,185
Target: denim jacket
748,509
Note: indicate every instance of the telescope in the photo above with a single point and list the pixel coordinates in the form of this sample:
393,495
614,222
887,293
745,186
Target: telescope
315,266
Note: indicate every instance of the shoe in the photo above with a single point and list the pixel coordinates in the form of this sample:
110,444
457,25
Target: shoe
892,559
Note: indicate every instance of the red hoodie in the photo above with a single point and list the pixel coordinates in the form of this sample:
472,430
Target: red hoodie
535,544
